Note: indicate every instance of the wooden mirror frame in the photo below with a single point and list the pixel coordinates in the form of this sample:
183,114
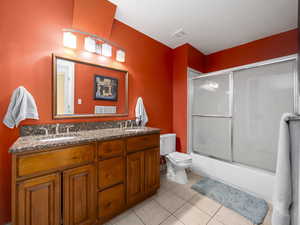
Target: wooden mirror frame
73,116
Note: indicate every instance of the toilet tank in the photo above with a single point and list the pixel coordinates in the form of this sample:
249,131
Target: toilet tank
167,143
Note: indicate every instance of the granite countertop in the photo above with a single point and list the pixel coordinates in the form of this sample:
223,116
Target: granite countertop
39,143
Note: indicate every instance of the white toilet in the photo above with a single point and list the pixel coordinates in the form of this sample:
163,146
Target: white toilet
176,162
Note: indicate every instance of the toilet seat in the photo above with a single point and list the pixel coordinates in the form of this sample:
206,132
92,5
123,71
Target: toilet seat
178,157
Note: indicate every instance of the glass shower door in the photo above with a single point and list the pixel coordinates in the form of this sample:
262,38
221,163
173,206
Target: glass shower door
261,96
211,116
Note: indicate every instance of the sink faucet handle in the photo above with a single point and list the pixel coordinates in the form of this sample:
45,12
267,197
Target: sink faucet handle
132,123
45,129
68,128
127,123
57,128
138,121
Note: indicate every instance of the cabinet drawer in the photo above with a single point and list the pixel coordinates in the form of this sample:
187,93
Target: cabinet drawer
110,149
142,142
111,201
110,172
54,160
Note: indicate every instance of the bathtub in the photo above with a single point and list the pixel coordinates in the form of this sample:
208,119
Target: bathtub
251,180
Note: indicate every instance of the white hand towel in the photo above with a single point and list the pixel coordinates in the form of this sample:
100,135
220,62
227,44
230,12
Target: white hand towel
22,106
140,112
282,196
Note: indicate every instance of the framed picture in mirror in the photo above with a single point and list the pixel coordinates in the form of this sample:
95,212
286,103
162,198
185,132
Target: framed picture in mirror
105,88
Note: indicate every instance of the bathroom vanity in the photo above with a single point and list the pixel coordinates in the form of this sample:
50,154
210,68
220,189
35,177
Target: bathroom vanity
85,178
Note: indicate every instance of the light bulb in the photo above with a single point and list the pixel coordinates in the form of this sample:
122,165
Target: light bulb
120,56
90,44
69,40
106,50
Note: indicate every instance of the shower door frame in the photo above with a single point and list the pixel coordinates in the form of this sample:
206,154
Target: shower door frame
230,73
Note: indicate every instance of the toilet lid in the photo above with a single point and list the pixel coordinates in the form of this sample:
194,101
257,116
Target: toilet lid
180,157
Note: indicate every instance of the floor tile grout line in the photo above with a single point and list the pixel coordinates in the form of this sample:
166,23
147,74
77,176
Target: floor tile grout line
165,219
188,201
170,214
168,209
163,206
202,209
138,217
192,206
215,215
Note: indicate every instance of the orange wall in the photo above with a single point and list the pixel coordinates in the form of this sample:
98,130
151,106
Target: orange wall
94,16
183,57
30,31
278,45
196,59
84,88
180,64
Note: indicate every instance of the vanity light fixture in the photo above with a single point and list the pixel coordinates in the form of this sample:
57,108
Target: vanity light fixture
120,55
106,50
98,49
69,40
90,44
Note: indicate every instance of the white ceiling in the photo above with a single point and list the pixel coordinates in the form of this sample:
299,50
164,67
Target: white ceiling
210,25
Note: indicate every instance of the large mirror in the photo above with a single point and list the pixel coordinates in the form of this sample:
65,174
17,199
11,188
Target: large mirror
82,89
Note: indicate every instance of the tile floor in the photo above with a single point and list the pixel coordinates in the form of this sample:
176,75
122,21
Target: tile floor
176,204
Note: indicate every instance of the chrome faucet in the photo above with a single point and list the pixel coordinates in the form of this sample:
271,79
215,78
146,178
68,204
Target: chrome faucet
57,128
121,125
68,128
127,122
132,124
138,121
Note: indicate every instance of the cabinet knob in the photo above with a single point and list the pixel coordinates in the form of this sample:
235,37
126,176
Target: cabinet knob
108,204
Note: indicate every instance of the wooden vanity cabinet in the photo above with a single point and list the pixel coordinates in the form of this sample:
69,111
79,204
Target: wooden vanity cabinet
152,170
79,196
135,177
85,184
55,187
38,201
143,167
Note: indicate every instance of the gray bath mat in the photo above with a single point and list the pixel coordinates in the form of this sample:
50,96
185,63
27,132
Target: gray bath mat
254,209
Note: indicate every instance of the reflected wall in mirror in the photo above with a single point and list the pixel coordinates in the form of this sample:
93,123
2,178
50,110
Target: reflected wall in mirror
82,89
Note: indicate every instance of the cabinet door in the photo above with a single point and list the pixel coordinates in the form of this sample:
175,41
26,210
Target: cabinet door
38,201
80,197
152,170
135,177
